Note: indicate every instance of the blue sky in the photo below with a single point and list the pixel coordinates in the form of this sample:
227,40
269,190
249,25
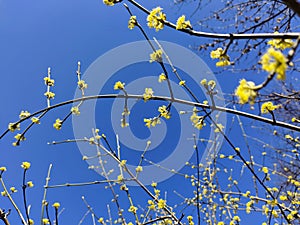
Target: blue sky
36,35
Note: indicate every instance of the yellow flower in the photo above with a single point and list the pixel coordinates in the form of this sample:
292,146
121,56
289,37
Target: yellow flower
48,81
268,107
3,168
148,94
139,169
46,221
13,189
182,23
164,112
154,184
124,123
203,82
24,114
281,43
132,22
58,123
101,220
161,203
75,110
30,184
31,222
49,94
3,193
156,56
35,120
274,62
219,53
182,83
245,92
82,85
132,209
56,205
152,122
13,126
156,19
265,169
25,165
197,121
109,2
119,85
162,77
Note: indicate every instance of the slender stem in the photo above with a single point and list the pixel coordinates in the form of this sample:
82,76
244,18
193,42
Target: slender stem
44,202
24,195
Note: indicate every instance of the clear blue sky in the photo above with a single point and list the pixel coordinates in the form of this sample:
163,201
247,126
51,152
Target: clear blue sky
36,35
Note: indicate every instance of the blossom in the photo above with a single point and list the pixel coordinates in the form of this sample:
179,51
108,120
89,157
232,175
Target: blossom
24,114
132,209
20,137
182,83
281,43
119,85
268,107
101,220
156,19
35,120
25,165
182,23
31,222
49,94
139,169
58,123
3,168
30,184
156,56
3,193
152,122
48,81
161,203
45,221
56,205
109,2
245,92
219,128
82,85
75,110
197,121
132,22
273,61
148,94
162,77
219,53
13,189
265,169
164,112
13,126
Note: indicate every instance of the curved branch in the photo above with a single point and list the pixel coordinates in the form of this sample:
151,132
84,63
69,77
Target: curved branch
293,5
162,98
290,35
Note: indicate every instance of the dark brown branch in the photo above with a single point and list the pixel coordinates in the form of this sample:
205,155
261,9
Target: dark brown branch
293,5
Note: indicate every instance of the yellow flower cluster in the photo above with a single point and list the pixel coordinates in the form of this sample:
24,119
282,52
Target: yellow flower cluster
24,114
164,112
156,56
119,85
281,43
151,122
268,107
148,94
219,53
156,19
58,123
48,81
162,77
75,110
25,165
132,209
132,22
245,92
13,126
197,121
82,85
109,2
182,23
273,61
49,94
161,203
